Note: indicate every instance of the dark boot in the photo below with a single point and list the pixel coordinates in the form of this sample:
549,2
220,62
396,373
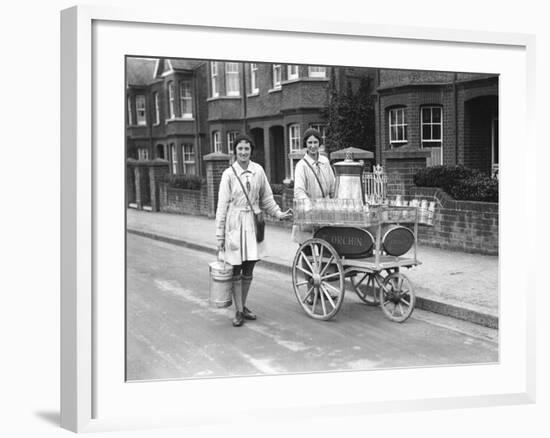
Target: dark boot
245,284
238,301
239,319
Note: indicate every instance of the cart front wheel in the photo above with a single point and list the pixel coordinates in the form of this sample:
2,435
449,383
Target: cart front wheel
366,285
397,297
318,279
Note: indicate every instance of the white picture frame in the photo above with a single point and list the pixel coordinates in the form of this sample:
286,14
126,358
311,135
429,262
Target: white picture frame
93,395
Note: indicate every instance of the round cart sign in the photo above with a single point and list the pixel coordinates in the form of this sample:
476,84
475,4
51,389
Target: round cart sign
397,240
348,241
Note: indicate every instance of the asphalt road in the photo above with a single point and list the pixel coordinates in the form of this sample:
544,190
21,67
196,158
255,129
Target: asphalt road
172,331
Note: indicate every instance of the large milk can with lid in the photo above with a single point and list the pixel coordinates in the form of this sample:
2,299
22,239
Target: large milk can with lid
348,179
221,283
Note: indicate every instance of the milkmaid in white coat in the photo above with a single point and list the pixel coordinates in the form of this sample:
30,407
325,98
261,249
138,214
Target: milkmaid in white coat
310,185
235,230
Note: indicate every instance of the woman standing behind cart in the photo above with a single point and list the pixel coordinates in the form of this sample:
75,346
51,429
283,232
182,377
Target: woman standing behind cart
313,179
235,229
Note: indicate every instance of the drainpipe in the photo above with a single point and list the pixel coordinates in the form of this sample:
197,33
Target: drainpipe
198,149
149,119
244,99
379,124
455,97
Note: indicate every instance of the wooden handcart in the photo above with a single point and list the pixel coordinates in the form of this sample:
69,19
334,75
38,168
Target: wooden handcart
368,248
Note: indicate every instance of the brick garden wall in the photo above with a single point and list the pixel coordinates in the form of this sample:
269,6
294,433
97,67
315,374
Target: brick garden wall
183,201
464,225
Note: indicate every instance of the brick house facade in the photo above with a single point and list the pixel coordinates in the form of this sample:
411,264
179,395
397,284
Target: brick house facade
437,118
182,110
279,103
282,101
166,112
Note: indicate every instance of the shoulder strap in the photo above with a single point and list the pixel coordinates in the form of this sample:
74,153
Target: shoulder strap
314,174
242,187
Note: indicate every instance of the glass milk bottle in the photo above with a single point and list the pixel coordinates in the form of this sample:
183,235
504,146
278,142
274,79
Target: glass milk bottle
431,213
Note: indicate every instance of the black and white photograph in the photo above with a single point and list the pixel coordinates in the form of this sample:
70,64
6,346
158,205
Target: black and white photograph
294,218
285,219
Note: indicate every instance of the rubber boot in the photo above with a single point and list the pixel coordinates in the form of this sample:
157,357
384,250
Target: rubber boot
246,282
238,300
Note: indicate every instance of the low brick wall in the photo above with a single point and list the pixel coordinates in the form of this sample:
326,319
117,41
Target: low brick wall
183,201
463,225
400,166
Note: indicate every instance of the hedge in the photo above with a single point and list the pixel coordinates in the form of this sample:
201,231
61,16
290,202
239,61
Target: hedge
459,182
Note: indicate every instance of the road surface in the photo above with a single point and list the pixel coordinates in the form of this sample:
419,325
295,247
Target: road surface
172,331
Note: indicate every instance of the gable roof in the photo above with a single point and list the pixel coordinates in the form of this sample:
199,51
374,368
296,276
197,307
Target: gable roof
184,64
140,71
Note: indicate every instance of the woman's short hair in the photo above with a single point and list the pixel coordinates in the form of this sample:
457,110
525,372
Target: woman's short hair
243,137
309,132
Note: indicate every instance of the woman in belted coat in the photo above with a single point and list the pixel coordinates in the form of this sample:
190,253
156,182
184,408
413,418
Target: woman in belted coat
235,229
313,179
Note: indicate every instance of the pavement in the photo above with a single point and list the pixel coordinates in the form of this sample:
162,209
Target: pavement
451,283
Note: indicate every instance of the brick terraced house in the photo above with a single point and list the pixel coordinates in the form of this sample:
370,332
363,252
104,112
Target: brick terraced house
428,118
178,111
166,112
182,110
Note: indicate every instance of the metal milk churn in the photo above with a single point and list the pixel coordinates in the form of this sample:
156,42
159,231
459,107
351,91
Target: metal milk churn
349,184
221,283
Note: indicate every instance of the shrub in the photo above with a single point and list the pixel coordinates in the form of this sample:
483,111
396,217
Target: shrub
476,188
445,177
277,189
459,182
189,182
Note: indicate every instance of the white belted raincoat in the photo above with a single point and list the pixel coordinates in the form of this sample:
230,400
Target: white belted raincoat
235,219
306,186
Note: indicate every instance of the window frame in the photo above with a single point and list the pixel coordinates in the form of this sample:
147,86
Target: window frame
184,100
172,100
277,71
174,158
229,140
431,124
254,89
164,148
157,107
292,76
216,141
185,155
294,139
230,78
403,126
141,120
312,73
130,111
214,79
143,154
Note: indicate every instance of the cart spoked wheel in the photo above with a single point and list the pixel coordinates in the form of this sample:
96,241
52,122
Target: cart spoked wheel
366,285
397,297
318,279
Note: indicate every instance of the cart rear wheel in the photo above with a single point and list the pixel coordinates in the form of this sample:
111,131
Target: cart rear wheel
318,279
397,297
366,285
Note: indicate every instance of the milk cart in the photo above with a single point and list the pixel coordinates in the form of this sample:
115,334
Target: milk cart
366,245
